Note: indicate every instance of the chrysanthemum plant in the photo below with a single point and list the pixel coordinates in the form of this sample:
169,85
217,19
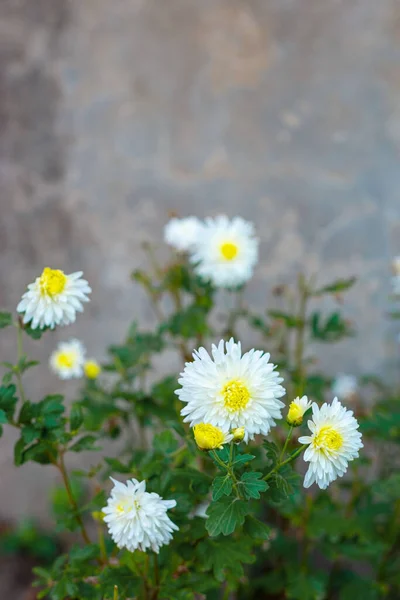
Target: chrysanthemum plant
206,498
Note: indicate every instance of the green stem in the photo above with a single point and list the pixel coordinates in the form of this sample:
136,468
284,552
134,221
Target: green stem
286,443
156,575
299,347
285,462
230,471
61,467
102,546
20,353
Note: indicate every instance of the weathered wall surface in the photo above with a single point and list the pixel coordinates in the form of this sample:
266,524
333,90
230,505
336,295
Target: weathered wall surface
114,113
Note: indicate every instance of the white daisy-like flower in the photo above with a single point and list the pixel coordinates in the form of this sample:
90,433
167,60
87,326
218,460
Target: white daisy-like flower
54,298
68,359
182,234
297,408
209,437
226,251
136,519
333,443
345,387
229,390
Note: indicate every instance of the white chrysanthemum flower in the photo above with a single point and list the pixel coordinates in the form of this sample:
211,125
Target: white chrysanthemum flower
297,408
182,234
209,437
333,443
226,251
345,387
230,390
136,519
68,359
54,299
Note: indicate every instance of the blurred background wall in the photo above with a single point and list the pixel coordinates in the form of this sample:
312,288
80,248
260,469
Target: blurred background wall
114,113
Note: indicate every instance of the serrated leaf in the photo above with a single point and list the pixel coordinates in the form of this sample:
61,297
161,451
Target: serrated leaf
225,553
5,319
242,459
256,529
225,515
272,452
222,486
87,442
253,484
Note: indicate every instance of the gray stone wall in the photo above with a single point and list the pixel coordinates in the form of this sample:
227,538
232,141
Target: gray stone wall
114,113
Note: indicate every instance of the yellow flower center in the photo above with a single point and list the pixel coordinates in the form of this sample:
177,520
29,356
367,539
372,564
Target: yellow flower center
328,438
52,282
65,360
295,414
229,250
92,369
208,437
236,395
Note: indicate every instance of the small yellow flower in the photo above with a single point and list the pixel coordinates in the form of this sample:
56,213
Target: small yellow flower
208,437
238,434
297,408
92,369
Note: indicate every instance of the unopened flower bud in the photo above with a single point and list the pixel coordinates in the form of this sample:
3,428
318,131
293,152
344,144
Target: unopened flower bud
238,434
297,408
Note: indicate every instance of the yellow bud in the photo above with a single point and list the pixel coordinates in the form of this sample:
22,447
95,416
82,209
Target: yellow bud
295,415
238,434
208,437
98,516
92,369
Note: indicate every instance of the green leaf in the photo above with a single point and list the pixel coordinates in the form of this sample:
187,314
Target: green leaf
291,321
18,452
338,286
225,554
225,515
75,417
3,417
242,459
5,319
87,442
222,486
256,529
165,442
8,399
272,453
35,334
253,485
308,586
333,329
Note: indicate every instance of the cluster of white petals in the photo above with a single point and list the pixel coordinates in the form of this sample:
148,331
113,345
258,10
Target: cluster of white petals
230,390
136,519
223,251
